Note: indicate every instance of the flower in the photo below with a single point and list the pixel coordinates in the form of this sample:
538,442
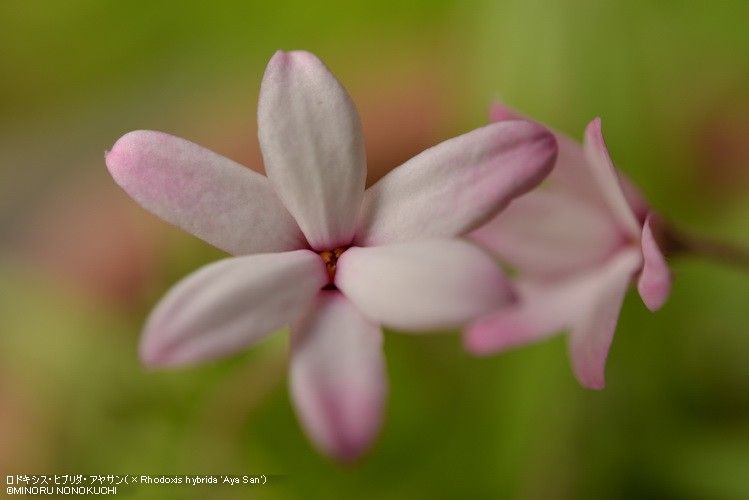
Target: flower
318,252
577,241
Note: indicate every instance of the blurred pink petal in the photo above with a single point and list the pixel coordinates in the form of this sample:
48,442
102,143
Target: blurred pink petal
549,233
593,326
312,147
573,174
422,284
540,312
337,378
602,169
635,199
230,304
587,305
576,243
654,283
217,200
457,185
570,171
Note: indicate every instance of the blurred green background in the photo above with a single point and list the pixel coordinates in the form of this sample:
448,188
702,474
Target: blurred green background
81,264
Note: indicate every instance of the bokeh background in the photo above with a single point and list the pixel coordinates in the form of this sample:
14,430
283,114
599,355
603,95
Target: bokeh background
81,264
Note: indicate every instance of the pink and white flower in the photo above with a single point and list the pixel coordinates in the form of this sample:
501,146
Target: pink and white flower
319,253
576,242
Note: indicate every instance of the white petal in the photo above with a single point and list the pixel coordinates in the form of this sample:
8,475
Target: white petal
422,285
456,186
230,304
338,379
212,197
312,146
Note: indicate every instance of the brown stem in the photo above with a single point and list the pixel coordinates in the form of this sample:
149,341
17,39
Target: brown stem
679,243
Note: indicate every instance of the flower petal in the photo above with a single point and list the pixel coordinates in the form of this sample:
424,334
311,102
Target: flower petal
541,311
588,305
592,330
457,185
550,234
312,146
634,197
572,171
604,172
338,380
654,283
230,304
422,285
212,197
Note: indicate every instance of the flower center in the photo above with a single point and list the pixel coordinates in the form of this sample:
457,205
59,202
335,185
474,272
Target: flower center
330,258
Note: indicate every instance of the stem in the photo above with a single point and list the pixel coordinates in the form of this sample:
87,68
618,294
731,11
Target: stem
725,253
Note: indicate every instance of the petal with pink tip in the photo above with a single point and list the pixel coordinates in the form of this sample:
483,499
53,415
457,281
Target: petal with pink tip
312,146
212,197
338,380
572,171
604,172
422,285
654,283
230,304
456,186
592,329
550,234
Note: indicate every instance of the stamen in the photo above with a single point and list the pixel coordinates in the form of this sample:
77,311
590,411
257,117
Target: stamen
330,258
